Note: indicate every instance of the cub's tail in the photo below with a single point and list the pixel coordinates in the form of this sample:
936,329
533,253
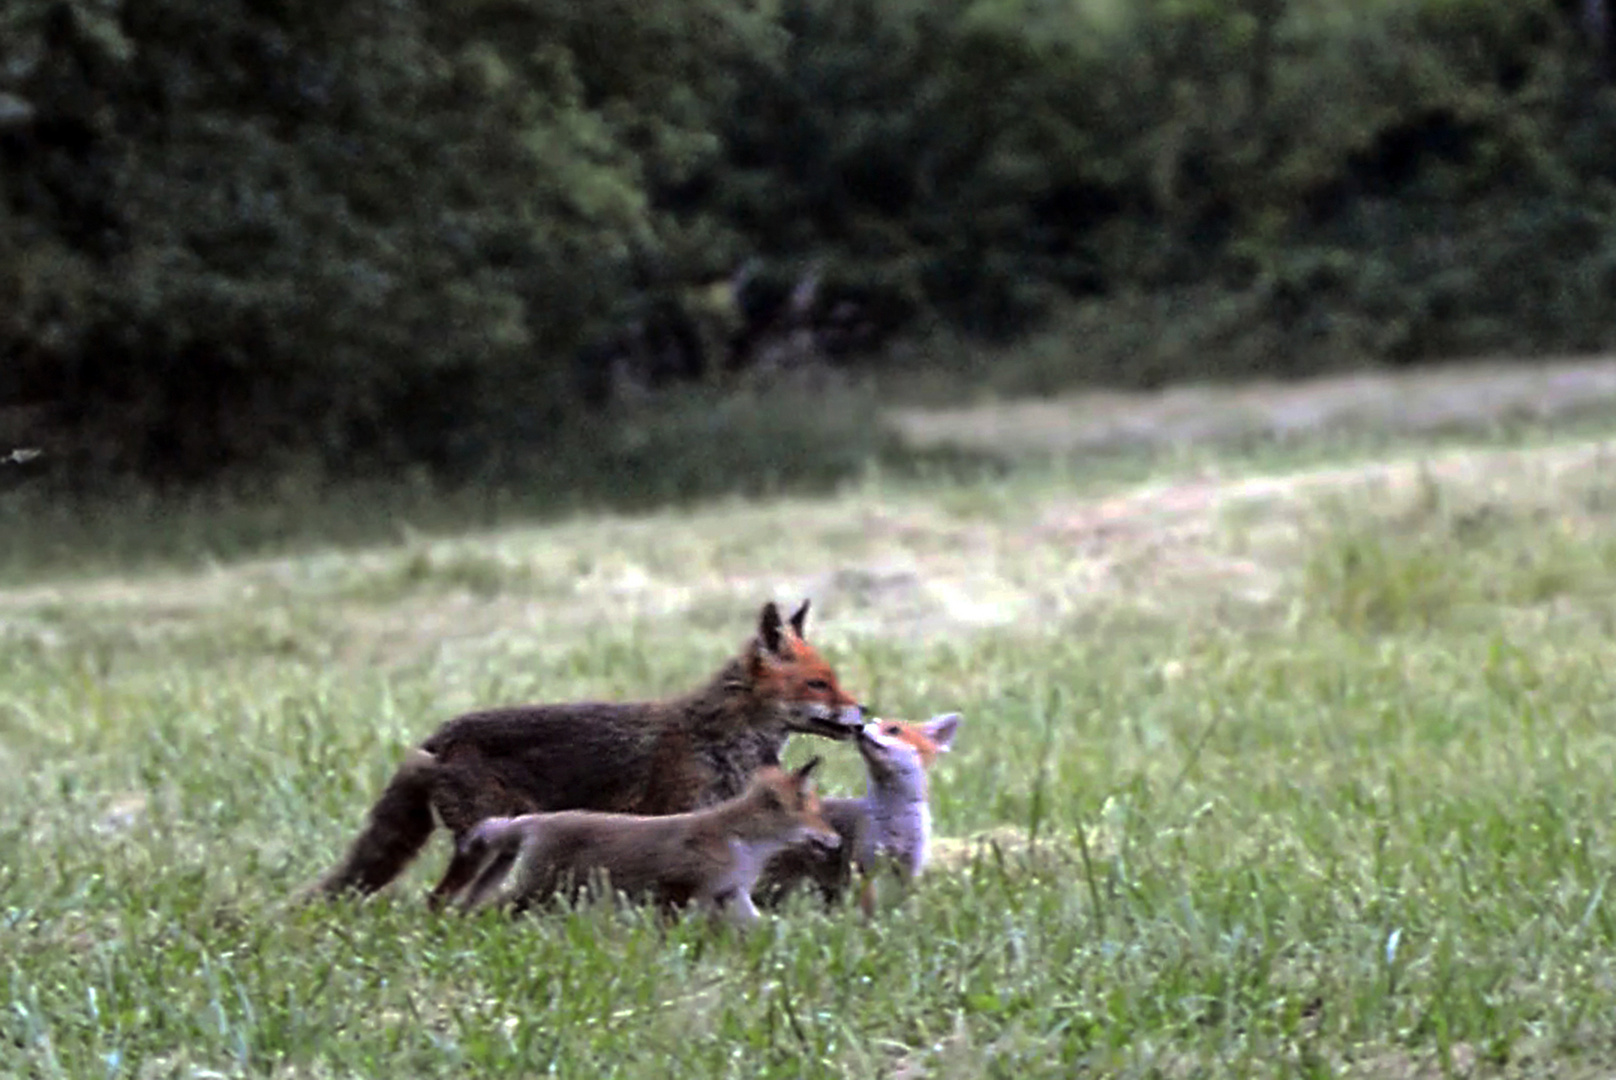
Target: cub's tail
399,826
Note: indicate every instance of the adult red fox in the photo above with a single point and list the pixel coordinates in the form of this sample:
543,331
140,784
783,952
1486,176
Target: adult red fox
649,757
710,858
889,827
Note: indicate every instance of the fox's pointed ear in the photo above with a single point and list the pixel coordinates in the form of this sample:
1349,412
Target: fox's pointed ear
806,771
941,729
769,627
799,618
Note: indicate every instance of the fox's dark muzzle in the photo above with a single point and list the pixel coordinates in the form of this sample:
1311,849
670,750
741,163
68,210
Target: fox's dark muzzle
839,724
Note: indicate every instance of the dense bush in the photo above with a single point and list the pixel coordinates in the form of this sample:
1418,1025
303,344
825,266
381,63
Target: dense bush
248,232
242,229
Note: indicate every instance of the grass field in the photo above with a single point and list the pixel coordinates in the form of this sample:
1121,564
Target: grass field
1278,759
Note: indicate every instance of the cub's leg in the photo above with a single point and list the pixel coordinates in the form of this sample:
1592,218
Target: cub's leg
465,794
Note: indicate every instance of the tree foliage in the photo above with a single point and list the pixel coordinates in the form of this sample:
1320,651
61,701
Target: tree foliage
245,232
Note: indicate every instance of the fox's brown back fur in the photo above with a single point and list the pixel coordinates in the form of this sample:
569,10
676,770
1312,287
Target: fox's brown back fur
710,856
649,757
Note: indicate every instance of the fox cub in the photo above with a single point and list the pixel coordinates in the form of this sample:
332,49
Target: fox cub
649,757
889,827
710,858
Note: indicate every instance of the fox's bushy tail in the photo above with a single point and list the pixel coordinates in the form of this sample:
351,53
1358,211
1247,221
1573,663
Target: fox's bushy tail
398,827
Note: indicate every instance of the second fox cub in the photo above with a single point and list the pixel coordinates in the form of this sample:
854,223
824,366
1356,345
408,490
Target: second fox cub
889,826
706,857
650,757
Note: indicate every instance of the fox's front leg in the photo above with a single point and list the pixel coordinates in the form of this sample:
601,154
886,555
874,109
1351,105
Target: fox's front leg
491,876
866,894
736,908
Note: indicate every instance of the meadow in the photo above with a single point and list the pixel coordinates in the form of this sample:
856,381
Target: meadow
1287,751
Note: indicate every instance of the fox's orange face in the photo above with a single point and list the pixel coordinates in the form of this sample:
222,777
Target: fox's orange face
792,800
791,673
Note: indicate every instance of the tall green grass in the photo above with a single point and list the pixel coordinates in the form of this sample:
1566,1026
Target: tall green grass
1365,829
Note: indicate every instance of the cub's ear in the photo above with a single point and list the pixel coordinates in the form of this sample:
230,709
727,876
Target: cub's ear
769,627
802,774
799,618
941,729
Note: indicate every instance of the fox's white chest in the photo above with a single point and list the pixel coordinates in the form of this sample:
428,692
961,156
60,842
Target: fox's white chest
747,859
733,891
902,833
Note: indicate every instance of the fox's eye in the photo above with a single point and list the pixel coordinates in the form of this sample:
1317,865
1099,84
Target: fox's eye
818,684
890,729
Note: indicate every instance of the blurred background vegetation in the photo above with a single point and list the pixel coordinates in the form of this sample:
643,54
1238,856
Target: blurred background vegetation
550,242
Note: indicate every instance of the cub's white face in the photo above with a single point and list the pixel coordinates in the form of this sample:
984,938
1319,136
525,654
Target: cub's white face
897,754
887,752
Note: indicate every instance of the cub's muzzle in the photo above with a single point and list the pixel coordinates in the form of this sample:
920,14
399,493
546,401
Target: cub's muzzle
825,841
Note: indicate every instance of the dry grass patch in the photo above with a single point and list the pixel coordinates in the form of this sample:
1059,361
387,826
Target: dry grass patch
1423,401
899,564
